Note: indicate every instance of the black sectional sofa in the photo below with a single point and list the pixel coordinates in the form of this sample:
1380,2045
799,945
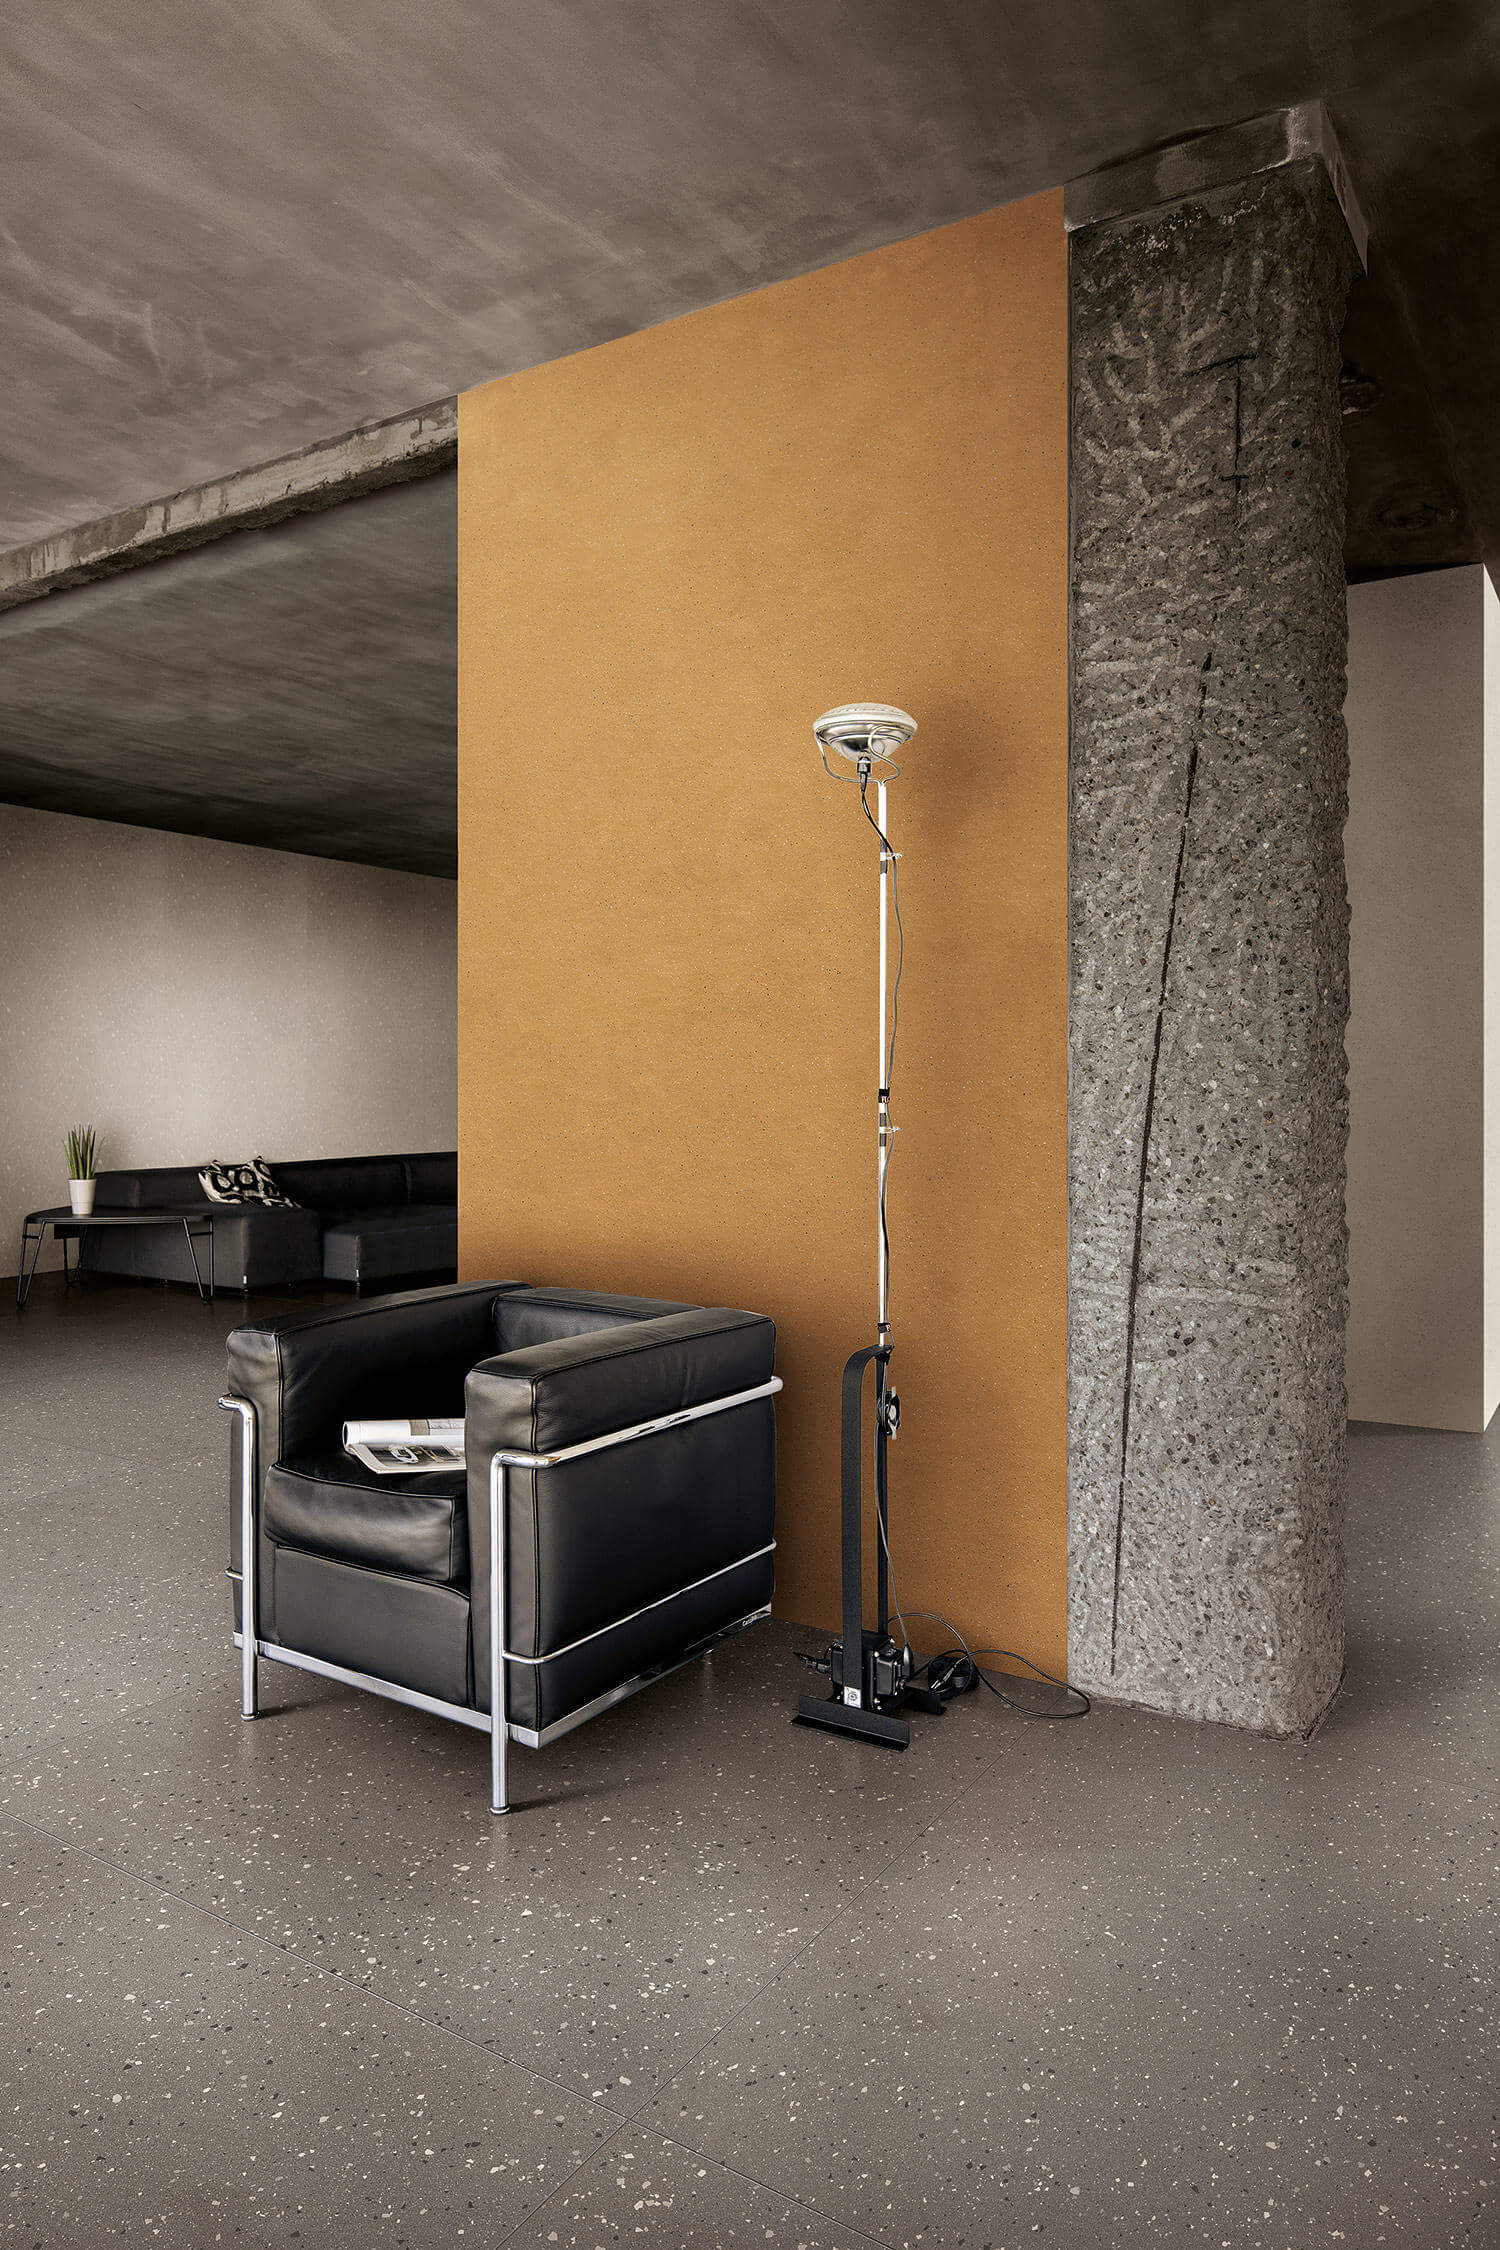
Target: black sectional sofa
361,1219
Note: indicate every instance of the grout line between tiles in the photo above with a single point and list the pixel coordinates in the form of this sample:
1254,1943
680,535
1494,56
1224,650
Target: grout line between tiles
624,2122
770,2187
599,2106
841,1913
528,2218
320,1969
668,2140
638,2118
415,2015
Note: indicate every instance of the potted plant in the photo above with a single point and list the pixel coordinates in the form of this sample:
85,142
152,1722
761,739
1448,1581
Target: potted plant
82,1150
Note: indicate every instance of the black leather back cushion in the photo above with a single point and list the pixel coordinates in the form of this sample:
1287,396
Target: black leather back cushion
167,1188
344,1183
334,1183
546,1316
117,1191
431,1178
399,1355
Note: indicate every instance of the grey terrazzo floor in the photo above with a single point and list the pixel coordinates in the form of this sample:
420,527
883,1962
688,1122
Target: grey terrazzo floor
720,1981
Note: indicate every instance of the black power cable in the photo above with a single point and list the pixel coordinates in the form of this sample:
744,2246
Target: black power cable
957,1671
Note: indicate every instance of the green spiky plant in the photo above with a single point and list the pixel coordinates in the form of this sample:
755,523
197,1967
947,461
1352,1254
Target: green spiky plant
83,1150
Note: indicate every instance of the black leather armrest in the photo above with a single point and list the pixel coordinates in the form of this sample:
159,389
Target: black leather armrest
591,1540
405,1354
553,1395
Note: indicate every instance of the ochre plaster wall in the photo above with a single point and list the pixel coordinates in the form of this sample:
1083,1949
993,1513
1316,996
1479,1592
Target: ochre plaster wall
675,551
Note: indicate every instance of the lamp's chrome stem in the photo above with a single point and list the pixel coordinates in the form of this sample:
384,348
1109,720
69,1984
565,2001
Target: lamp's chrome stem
883,1109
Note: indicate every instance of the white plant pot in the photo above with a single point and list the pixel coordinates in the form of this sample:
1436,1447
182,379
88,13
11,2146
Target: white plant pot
81,1196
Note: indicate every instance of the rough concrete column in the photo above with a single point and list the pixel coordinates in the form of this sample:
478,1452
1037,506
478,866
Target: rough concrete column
1209,954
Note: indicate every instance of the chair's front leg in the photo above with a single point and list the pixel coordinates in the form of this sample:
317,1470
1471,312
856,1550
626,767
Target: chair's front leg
499,1729
249,1626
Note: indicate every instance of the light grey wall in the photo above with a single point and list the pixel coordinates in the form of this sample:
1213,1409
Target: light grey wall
1421,854
1491,998
196,999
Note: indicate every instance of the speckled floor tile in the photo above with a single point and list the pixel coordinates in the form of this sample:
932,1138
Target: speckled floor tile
1122,1983
663,1862
152,1516
113,1515
1122,2019
167,2078
1154,1982
642,2189
107,1663
107,1613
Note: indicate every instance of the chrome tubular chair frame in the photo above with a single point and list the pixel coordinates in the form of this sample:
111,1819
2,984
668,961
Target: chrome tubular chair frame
252,1647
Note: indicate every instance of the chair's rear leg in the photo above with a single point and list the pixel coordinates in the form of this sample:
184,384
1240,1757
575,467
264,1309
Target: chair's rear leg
499,1730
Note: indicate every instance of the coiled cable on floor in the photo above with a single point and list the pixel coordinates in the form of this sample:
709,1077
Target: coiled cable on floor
956,1671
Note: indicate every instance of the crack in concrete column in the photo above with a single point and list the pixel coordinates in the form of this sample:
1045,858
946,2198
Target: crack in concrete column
1234,477
1140,1198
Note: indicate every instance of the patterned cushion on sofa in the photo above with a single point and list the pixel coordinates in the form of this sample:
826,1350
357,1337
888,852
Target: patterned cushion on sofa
242,1183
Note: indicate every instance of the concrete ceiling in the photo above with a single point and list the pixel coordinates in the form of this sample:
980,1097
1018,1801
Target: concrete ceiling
293,687
230,230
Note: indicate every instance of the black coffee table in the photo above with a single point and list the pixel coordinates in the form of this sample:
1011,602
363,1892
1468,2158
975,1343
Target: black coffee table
67,1225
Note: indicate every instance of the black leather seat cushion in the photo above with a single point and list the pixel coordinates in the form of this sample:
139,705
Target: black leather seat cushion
327,1503
255,1246
379,1245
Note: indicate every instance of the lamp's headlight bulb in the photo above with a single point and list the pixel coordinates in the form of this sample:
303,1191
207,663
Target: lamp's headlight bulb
866,734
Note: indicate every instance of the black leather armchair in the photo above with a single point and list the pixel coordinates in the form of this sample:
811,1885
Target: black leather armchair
615,1518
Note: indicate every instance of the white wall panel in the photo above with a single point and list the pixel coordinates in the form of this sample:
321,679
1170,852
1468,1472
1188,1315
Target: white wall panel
1424,1251
196,999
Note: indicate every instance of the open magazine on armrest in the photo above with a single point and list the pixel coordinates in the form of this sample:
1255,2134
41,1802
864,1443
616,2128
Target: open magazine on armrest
407,1449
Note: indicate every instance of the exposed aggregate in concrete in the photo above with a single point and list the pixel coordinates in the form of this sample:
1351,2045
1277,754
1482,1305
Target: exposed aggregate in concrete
1209,933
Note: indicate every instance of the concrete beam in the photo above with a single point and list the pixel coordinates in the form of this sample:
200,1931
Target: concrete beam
1220,158
415,444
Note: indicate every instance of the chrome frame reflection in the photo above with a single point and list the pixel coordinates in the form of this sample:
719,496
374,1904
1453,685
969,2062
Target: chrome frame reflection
252,1647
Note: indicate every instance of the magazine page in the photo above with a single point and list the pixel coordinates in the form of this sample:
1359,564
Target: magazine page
409,1448
444,1430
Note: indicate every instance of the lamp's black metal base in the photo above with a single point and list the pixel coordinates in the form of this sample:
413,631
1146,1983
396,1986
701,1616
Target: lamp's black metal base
868,1664
833,1712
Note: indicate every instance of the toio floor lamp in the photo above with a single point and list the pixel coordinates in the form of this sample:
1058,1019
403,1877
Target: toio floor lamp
868,1673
